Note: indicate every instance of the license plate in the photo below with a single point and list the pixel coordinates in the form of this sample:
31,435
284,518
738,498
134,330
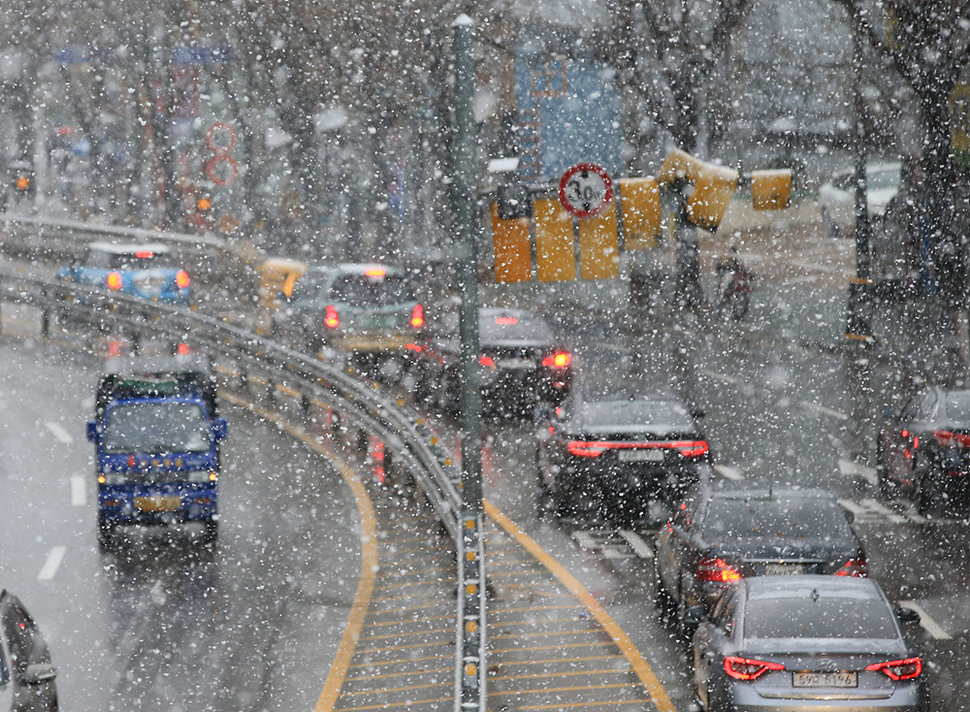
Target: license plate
783,569
158,503
824,679
643,455
510,363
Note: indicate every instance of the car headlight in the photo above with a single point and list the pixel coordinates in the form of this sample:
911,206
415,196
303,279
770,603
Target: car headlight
201,476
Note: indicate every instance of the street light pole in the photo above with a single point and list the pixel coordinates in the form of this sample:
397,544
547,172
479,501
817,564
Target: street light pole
470,681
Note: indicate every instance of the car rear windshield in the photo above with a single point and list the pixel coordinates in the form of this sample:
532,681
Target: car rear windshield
360,290
958,407
519,327
796,518
139,259
815,616
631,413
156,428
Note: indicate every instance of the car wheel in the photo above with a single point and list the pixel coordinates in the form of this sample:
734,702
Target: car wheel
211,532
929,495
888,487
106,536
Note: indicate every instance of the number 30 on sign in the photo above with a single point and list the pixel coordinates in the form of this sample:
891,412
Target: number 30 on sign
585,190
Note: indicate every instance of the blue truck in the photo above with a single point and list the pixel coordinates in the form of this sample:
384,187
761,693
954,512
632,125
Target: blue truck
157,436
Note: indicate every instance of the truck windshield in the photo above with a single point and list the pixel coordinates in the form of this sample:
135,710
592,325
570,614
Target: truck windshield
157,428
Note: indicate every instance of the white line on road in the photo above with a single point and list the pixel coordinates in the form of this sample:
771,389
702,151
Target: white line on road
877,506
718,376
728,472
823,409
79,492
585,540
856,509
929,625
50,567
636,542
60,433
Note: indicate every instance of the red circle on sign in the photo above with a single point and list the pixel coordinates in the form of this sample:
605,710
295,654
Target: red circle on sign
218,175
585,190
220,127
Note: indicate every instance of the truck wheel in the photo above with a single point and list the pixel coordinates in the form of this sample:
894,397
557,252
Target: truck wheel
210,533
106,536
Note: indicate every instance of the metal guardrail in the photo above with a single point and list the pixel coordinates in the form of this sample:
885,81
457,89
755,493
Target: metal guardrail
405,433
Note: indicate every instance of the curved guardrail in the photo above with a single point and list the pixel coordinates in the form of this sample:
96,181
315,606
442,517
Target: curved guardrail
405,433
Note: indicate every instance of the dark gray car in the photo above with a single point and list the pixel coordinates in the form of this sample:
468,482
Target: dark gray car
802,643
715,538
26,672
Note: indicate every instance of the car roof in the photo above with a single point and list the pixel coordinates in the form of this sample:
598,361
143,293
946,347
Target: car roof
116,248
157,365
810,584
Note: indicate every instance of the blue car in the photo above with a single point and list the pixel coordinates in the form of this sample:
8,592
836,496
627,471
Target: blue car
146,270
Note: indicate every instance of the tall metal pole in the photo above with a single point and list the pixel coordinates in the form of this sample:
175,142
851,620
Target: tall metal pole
470,690
471,399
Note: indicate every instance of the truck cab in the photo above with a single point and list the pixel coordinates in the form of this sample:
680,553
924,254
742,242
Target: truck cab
157,436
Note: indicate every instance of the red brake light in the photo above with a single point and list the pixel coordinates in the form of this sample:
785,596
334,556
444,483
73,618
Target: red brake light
560,359
855,568
747,669
183,349
583,448
417,316
697,448
711,568
486,361
182,279
114,280
375,272
144,254
331,319
506,320
899,669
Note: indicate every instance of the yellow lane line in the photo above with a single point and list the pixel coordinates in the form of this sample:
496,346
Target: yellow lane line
368,557
657,692
403,703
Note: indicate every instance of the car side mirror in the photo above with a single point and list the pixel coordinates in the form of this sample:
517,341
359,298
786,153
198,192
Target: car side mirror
39,673
907,615
220,428
698,413
93,431
694,616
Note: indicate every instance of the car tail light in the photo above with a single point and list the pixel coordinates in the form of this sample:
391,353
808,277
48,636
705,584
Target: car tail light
417,316
950,439
486,361
182,279
183,349
697,448
584,448
748,669
506,320
713,569
856,568
375,272
907,669
331,319
144,254
560,359
114,280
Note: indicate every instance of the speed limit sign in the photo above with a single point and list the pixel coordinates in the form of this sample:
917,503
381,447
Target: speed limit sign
585,190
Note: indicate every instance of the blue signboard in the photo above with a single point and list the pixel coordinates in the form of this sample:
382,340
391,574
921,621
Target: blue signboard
569,112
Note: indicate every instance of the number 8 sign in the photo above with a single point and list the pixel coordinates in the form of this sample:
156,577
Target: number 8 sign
585,190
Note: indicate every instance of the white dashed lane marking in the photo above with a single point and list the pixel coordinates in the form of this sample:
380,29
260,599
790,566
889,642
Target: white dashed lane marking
53,562
60,433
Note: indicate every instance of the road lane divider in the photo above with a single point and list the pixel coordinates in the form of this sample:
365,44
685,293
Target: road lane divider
929,625
54,558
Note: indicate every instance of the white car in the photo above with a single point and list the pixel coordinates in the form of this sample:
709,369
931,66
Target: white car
836,198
